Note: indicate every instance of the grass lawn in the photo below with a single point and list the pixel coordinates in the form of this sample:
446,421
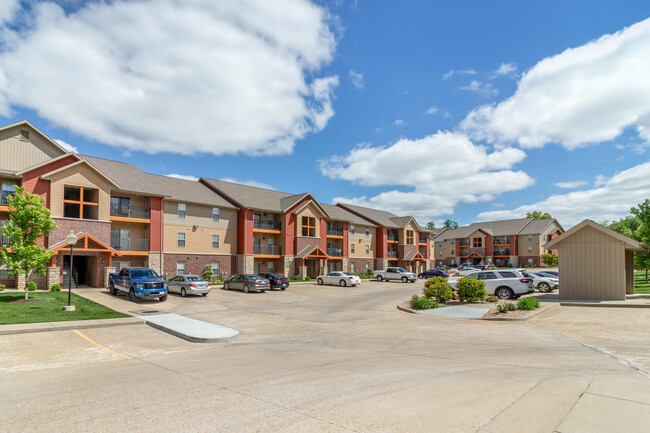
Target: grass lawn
640,286
50,308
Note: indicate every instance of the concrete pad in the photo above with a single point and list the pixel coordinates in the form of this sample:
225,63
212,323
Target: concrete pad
24,328
457,312
188,329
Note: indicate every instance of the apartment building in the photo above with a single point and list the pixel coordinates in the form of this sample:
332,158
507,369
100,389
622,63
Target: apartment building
516,242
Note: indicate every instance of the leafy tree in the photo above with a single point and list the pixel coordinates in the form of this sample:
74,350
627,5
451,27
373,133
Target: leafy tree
549,259
207,273
538,215
431,225
637,227
451,224
29,221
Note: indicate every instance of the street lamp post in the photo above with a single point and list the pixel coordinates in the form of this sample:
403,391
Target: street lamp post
71,239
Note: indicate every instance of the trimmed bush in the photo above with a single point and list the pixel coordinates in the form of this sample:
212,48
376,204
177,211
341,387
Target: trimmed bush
505,307
471,290
528,304
307,278
491,299
2,287
296,278
206,273
55,288
439,288
418,303
31,286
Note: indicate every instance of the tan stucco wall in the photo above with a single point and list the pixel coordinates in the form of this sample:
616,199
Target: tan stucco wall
79,176
360,247
199,240
136,200
308,211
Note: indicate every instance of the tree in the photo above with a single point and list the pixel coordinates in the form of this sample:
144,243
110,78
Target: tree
637,227
431,225
207,273
451,224
538,215
549,260
29,221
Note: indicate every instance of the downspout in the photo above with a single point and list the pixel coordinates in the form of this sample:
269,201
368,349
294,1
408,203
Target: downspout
162,221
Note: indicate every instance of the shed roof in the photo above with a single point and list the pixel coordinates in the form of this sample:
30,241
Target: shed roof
630,244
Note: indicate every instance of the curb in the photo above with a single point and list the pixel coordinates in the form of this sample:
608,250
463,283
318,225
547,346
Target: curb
406,310
28,328
588,304
516,319
195,331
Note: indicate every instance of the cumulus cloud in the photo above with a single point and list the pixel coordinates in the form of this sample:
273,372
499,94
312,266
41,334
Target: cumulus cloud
571,185
68,147
356,79
183,176
611,200
485,89
175,76
8,9
398,122
247,182
431,111
506,69
474,174
584,95
453,72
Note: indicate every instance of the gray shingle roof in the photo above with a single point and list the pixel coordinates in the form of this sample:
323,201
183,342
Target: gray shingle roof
254,197
339,214
495,228
536,226
383,218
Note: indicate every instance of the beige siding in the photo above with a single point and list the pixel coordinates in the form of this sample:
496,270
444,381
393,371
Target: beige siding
360,241
200,215
592,265
79,175
18,154
308,211
138,230
136,200
199,241
535,244
402,233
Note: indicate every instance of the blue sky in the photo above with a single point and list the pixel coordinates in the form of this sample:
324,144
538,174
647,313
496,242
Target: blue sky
461,110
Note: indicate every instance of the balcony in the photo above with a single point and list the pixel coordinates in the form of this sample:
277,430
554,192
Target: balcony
392,254
335,252
140,212
422,240
128,244
505,252
501,241
259,225
334,231
393,238
4,197
463,243
267,250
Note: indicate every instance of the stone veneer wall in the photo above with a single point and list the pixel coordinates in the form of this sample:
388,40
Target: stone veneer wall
108,270
245,264
288,267
156,262
53,276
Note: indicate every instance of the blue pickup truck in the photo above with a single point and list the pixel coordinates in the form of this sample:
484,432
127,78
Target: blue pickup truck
138,283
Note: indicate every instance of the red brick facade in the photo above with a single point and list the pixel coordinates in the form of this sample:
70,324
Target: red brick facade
100,230
194,263
360,264
304,242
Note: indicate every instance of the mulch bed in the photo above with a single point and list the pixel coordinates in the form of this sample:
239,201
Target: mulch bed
24,300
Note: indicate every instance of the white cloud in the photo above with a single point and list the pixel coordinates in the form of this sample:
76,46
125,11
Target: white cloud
183,176
378,130
431,111
584,95
398,122
68,147
453,72
600,180
428,190
611,200
247,182
485,89
506,69
571,185
175,76
356,79
8,9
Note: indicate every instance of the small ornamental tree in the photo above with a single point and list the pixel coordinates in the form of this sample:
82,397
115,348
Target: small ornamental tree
471,290
29,221
550,259
207,273
438,288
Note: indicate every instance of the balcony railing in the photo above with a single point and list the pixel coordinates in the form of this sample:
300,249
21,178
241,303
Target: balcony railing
501,241
127,244
334,231
4,197
267,225
422,240
463,243
335,252
269,250
130,211
505,252
393,237
3,240
392,254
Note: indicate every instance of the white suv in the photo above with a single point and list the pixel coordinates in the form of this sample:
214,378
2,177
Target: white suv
504,284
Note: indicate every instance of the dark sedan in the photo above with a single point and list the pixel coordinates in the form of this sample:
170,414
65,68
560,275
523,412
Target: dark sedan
276,281
433,273
246,282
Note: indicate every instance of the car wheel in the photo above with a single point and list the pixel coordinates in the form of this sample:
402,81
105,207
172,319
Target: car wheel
132,296
226,286
379,278
404,279
457,274
319,281
183,292
342,283
111,288
204,294
163,298
504,293
420,277
246,289
283,288
544,287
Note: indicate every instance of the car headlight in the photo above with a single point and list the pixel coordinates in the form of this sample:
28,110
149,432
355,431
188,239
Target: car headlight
139,286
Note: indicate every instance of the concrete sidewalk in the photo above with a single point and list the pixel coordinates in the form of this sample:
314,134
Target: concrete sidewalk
196,331
25,328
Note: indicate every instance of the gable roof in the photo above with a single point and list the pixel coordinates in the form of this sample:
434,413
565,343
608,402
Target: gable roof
128,176
315,203
630,244
538,226
28,123
47,176
340,214
494,228
379,217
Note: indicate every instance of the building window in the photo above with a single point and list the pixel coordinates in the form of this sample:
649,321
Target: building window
180,268
79,202
530,249
215,241
271,268
409,237
120,265
257,268
543,238
530,261
367,266
477,242
439,245
352,267
440,254
367,249
452,242
309,226
181,210
180,239
215,214
351,229
352,248
215,269
24,135
4,275
530,238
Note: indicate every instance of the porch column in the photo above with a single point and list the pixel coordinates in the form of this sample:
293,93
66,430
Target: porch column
108,270
629,272
53,276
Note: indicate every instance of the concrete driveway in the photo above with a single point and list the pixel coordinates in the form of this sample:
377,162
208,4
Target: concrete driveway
332,359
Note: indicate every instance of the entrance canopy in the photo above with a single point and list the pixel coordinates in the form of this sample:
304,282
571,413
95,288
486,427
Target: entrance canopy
312,252
415,256
85,243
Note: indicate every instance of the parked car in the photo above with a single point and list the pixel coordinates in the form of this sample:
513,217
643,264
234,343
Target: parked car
276,281
341,278
138,283
188,284
543,282
503,284
552,273
395,274
464,266
246,282
433,273
461,272
443,268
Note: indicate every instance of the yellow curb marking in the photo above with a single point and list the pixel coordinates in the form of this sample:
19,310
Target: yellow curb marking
90,340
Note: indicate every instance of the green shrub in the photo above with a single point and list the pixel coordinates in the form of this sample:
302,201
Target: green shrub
491,299
509,265
307,278
55,288
31,286
439,288
206,273
418,303
528,304
471,290
296,278
505,307
2,287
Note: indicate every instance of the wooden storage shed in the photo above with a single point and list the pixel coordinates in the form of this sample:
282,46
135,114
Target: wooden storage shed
595,263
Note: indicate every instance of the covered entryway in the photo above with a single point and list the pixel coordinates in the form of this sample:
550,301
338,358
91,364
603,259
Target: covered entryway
311,261
416,262
475,258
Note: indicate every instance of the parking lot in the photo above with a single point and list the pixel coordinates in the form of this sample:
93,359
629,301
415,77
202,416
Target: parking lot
327,358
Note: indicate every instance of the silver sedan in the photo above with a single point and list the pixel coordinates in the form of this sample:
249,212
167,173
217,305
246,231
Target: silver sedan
188,285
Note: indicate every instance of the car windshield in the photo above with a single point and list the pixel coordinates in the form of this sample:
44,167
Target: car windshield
349,274
275,276
252,277
144,273
401,269
193,278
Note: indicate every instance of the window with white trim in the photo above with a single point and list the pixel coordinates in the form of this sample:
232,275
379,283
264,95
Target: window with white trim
215,241
271,268
530,238
352,248
182,213
530,261
215,214
352,267
351,229
215,268
367,249
530,249
180,239
180,268
367,231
